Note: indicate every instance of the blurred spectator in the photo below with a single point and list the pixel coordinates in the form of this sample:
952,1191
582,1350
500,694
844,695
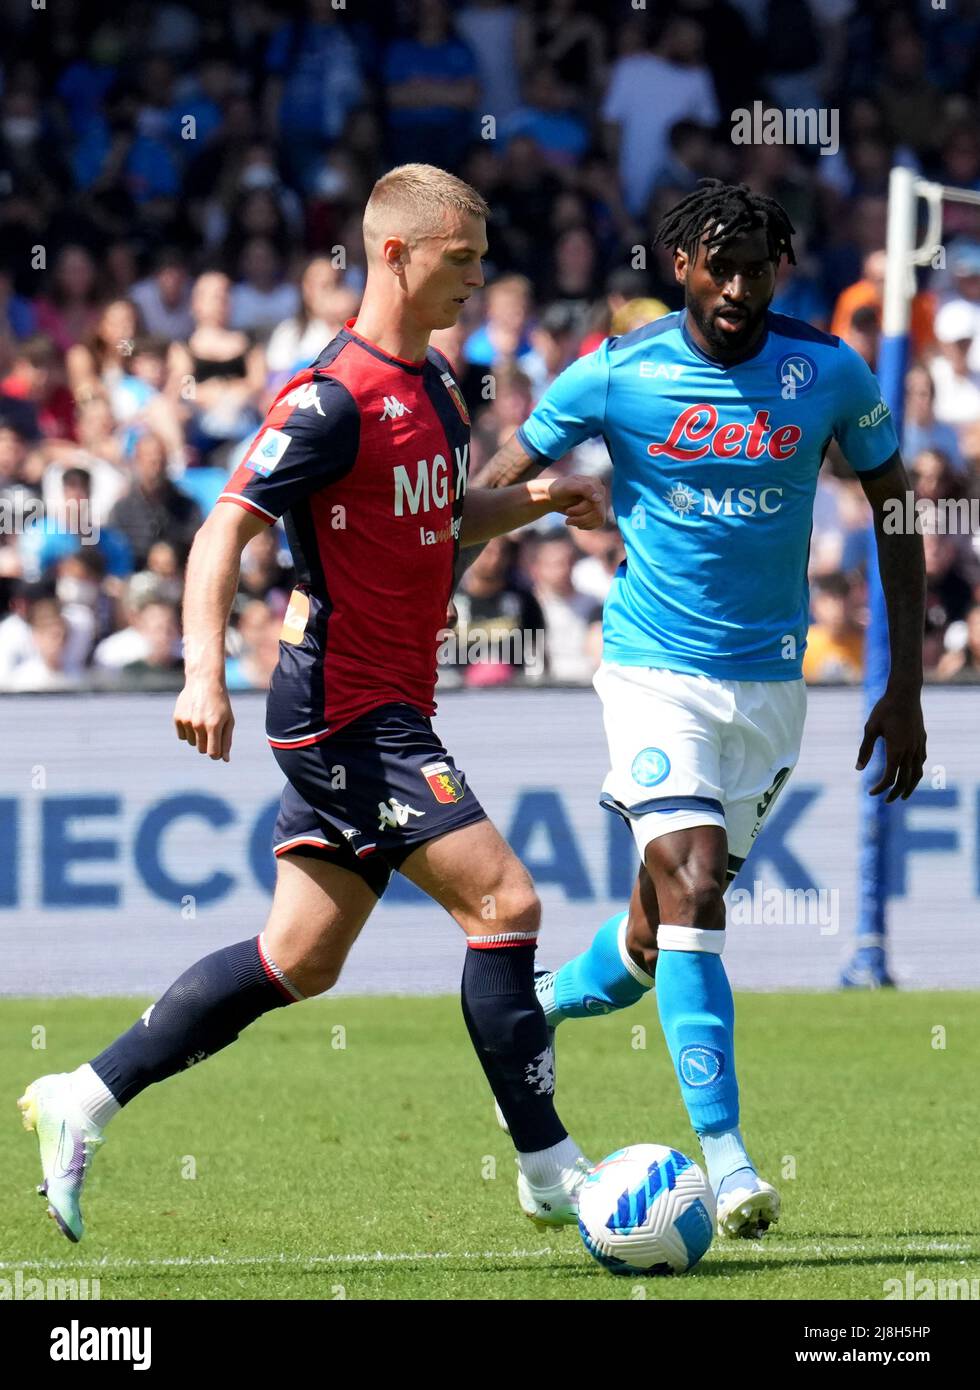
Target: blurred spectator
496,422
47,667
157,668
835,641
949,593
96,366
68,311
35,393
431,89
572,619
506,333
549,119
258,656
323,309
16,640
921,430
128,643
262,575
499,619
602,554
17,315
315,82
639,127
957,383
261,298
154,508
868,292
163,299
227,369
962,662
69,523
963,307
563,37
490,29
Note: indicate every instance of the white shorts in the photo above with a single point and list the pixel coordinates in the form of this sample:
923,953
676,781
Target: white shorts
691,750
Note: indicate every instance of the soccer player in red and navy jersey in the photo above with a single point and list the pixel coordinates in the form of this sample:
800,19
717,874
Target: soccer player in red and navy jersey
364,456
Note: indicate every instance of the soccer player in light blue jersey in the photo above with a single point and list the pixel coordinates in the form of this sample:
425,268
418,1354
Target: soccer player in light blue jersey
717,420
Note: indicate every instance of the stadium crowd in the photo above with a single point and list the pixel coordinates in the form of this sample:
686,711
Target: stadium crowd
181,188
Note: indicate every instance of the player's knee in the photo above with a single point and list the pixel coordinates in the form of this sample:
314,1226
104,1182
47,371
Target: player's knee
516,908
700,901
312,976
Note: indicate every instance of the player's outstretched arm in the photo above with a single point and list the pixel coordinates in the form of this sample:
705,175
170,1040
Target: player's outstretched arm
897,717
202,715
489,512
510,464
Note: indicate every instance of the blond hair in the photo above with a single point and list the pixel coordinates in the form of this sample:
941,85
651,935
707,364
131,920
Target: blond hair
413,200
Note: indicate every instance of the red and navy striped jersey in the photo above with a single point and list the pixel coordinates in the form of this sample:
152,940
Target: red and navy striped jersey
365,458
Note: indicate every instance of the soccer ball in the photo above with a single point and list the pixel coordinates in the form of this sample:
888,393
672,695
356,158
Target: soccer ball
646,1209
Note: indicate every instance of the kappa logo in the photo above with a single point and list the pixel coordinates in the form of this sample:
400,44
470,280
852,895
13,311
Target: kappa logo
305,396
395,813
394,409
443,782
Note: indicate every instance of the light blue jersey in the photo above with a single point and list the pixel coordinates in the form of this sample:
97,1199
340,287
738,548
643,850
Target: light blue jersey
714,473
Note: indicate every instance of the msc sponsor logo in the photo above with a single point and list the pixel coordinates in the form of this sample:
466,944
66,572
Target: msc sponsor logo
433,486
743,501
696,433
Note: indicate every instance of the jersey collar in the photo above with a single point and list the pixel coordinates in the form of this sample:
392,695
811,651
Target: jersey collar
405,363
716,362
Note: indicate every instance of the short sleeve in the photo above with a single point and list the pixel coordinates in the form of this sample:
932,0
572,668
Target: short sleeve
310,439
572,409
863,427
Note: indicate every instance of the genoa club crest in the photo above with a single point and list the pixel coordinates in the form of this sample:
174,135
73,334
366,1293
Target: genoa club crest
443,782
457,397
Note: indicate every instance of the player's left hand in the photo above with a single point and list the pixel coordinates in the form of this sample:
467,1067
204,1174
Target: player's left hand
581,500
898,720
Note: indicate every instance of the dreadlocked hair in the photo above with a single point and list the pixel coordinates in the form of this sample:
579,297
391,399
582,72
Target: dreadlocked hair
727,210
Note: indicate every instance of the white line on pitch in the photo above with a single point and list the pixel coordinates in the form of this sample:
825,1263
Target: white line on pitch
237,1261
771,1247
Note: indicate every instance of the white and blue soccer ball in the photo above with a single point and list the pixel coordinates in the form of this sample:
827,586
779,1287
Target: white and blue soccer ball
646,1210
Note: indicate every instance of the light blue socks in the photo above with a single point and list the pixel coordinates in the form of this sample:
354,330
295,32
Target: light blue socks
601,980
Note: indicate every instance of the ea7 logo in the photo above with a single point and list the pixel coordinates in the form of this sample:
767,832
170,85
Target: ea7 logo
305,396
662,371
394,409
874,417
431,486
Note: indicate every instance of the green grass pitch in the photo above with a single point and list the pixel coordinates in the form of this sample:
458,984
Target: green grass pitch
347,1148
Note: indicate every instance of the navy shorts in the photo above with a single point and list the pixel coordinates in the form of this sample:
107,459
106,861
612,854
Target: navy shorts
365,797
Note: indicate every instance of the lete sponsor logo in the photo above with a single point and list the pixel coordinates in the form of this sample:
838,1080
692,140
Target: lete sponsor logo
696,433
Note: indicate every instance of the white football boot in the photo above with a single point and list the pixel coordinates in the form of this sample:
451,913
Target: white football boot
556,1205
67,1139
747,1208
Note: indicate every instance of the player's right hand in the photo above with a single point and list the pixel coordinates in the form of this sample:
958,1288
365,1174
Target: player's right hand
203,718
